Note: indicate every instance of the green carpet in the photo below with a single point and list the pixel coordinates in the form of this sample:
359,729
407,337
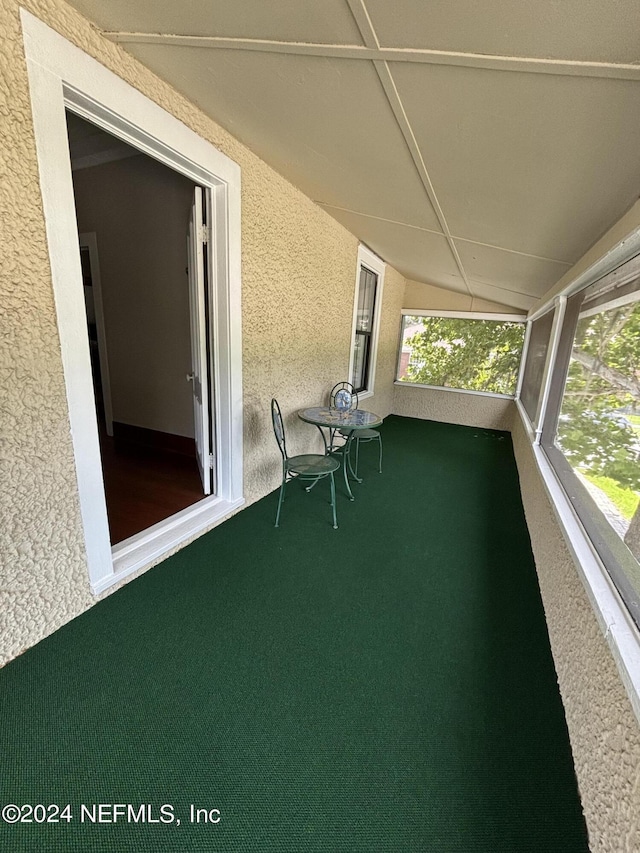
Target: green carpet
384,687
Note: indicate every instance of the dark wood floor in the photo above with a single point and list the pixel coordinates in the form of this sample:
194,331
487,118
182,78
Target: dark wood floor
145,485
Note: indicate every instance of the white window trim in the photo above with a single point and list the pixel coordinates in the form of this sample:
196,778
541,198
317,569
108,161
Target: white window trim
63,76
534,427
614,619
461,315
402,384
367,259
523,359
619,630
464,315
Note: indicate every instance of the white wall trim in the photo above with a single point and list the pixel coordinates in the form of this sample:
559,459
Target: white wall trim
142,549
63,76
616,624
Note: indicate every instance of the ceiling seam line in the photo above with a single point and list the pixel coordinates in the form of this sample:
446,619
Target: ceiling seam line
492,62
514,251
364,23
381,218
442,234
397,107
504,289
368,33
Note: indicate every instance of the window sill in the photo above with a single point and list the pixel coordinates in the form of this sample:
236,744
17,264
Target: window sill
401,384
613,617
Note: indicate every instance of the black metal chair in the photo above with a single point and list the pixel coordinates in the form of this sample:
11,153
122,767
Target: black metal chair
308,466
360,435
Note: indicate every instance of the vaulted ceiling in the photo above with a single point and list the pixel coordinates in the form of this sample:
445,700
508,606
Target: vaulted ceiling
482,147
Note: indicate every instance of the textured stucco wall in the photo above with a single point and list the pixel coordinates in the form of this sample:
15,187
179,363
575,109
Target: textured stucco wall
44,577
299,273
452,407
604,733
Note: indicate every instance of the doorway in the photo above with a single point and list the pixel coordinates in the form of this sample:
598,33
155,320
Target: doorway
146,305
61,76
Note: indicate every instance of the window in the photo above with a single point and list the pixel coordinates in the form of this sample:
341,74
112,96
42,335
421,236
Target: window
536,360
591,433
462,351
366,321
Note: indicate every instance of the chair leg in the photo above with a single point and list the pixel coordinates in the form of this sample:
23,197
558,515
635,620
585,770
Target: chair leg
333,501
354,473
284,482
380,460
346,463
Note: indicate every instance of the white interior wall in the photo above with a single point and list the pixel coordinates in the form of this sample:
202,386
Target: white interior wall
139,210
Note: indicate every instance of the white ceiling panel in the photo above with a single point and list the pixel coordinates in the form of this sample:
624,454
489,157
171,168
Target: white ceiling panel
522,301
325,124
415,253
509,269
531,162
597,30
538,157
328,21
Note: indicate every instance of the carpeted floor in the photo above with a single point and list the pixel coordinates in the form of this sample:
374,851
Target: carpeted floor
384,687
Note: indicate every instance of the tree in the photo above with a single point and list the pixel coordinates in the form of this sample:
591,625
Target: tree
478,355
603,381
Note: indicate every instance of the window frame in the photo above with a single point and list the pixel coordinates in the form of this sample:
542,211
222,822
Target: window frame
460,315
557,308
371,262
610,547
588,548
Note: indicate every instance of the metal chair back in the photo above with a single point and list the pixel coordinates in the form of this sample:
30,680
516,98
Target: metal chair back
306,466
278,428
346,389
344,397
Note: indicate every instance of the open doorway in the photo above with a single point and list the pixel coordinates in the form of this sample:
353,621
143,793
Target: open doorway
63,77
147,327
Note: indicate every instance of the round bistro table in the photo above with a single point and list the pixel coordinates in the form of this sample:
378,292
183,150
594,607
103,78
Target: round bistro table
324,417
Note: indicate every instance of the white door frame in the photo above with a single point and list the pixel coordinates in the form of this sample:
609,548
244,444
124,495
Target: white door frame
61,76
200,382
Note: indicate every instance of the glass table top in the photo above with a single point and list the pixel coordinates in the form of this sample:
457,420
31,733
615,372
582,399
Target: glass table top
332,418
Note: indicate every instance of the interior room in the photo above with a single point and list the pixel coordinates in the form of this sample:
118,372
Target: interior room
211,207
133,217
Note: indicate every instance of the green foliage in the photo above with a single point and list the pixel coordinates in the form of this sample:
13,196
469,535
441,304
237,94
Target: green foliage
599,442
591,430
625,499
478,355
